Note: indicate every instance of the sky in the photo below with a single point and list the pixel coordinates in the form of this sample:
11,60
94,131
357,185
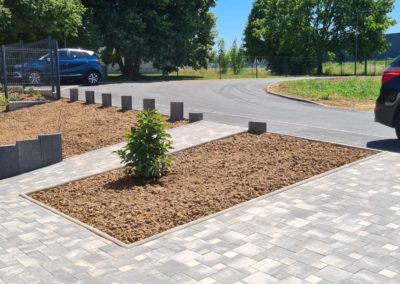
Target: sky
232,18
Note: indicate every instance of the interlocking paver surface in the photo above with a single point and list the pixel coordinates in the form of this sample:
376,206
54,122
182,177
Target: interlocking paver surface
342,227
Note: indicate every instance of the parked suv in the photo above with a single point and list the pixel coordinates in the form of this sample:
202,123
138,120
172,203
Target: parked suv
387,110
77,64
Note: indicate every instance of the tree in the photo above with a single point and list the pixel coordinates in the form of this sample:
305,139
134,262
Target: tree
223,56
237,57
308,29
169,33
5,16
32,19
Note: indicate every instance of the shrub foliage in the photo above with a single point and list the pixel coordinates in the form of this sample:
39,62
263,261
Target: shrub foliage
145,155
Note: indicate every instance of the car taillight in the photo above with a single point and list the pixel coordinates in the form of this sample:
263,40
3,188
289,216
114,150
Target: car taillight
390,75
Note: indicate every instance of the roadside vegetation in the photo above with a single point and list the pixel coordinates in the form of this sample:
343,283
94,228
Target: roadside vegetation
356,93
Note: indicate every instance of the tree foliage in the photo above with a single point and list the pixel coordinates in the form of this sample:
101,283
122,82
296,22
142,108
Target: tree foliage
5,16
237,57
32,19
223,56
307,30
168,33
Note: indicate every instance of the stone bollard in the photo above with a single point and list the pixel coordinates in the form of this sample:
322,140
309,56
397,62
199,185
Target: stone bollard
9,161
176,111
106,100
126,103
195,116
257,127
30,156
73,95
89,97
51,148
149,104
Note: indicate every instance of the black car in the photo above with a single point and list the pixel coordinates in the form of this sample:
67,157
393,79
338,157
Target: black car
387,110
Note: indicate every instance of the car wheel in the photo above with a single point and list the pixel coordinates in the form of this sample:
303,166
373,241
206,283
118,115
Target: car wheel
397,125
34,78
93,78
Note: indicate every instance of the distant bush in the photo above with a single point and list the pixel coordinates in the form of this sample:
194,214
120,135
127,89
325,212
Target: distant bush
145,155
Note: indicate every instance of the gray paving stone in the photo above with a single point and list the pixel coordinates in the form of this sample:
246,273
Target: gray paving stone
338,228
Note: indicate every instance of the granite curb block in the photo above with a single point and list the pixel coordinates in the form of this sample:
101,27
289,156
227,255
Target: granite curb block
106,100
157,236
257,127
176,111
195,116
16,105
126,103
89,96
73,95
149,104
30,154
10,166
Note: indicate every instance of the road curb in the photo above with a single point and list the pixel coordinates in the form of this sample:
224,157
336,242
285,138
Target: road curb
269,91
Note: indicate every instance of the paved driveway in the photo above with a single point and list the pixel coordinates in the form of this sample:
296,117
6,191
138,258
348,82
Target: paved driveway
238,101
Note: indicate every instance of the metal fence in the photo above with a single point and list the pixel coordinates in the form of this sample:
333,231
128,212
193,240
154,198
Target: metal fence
262,67
34,65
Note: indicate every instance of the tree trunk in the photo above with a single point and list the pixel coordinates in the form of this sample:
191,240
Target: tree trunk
365,67
319,65
129,67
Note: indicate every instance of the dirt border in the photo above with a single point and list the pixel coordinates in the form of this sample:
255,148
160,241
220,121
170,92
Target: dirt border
159,235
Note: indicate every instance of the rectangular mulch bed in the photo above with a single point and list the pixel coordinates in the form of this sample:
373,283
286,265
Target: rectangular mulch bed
83,127
205,180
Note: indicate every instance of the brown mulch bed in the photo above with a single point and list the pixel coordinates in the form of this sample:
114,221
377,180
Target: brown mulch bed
205,179
84,127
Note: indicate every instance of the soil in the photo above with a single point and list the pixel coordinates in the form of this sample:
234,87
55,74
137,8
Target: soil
205,179
354,104
83,127
27,96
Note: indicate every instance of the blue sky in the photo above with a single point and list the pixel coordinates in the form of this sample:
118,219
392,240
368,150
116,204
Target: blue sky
232,17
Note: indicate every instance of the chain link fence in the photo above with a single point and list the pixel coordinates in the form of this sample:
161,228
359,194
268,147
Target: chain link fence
31,65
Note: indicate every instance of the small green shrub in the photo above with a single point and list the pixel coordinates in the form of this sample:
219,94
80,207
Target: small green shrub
3,101
145,155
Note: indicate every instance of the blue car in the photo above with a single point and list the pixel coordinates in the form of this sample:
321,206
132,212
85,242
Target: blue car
76,64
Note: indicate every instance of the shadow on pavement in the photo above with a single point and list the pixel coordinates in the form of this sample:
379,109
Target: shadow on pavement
391,145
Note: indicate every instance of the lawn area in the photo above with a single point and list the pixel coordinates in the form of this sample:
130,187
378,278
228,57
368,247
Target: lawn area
202,74
354,93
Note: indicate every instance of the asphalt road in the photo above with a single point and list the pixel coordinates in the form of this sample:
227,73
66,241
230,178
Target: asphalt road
238,101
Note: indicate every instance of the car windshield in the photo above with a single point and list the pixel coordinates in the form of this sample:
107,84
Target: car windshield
396,62
44,57
62,54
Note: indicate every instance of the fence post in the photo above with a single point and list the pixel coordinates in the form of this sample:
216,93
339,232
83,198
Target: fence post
58,87
21,42
256,67
3,52
52,59
219,65
341,68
